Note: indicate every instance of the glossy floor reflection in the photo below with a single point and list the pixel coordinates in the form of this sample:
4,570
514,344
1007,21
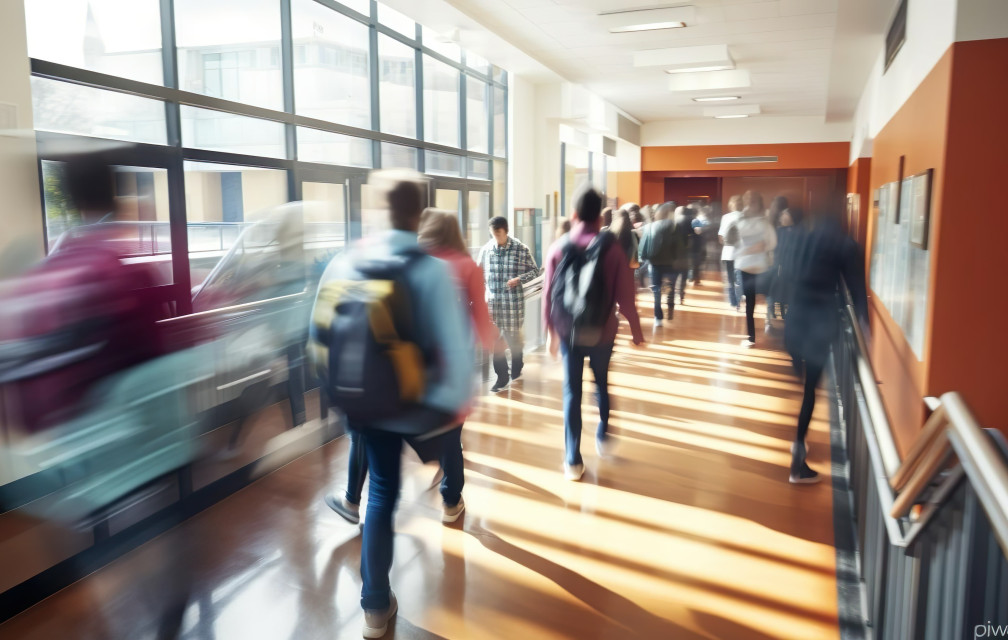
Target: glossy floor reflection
690,531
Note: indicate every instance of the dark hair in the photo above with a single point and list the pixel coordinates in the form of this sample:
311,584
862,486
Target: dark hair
90,183
797,215
607,217
498,222
588,203
622,228
405,205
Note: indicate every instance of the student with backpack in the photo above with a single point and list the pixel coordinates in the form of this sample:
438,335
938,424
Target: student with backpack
586,278
665,245
393,350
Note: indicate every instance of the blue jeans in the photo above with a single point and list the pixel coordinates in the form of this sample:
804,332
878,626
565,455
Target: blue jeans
660,273
384,451
733,296
573,360
454,468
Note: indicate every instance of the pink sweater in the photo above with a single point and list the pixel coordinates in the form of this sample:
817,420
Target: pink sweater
469,281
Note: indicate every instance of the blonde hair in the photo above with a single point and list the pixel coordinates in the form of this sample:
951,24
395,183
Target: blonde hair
735,203
439,229
754,202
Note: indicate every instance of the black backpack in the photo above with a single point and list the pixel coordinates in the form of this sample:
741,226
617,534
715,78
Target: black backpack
580,305
362,341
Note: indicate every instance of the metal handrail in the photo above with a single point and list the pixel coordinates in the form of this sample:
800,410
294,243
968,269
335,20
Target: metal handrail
951,429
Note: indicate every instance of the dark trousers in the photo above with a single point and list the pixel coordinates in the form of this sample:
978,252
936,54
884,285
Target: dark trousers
384,453
660,273
729,267
451,462
573,360
813,373
296,383
749,290
513,340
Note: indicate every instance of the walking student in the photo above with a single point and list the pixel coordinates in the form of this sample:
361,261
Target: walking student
586,279
507,265
756,239
415,397
728,242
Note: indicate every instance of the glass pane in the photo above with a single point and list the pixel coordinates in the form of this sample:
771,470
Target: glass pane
478,228
443,164
222,201
140,216
500,188
396,156
315,145
449,200
230,51
441,108
71,108
374,210
499,75
479,169
397,87
442,44
324,223
479,63
219,131
117,37
477,116
500,121
396,21
331,74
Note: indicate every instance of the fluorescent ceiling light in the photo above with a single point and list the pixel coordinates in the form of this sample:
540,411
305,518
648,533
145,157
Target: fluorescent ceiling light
716,99
709,57
634,20
732,110
710,81
737,115
721,67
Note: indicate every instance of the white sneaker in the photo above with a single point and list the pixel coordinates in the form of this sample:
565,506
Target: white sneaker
376,620
658,322
605,447
452,513
573,472
748,344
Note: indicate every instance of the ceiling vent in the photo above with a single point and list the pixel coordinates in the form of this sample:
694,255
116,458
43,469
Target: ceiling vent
741,159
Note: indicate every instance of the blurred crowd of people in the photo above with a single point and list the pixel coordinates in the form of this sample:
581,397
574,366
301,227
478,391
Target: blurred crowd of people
390,336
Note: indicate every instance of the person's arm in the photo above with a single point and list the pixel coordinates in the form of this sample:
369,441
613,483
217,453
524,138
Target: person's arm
440,312
625,292
527,267
769,238
485,329
552,258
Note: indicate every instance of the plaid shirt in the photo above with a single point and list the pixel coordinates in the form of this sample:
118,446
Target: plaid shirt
500,264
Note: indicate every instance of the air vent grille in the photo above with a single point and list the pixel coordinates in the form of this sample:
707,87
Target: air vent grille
741,159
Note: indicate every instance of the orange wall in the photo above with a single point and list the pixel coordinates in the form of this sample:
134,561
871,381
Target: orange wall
970,311
819,155
917,132
628,187
859,182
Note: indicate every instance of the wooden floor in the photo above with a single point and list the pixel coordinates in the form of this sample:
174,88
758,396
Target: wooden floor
690,531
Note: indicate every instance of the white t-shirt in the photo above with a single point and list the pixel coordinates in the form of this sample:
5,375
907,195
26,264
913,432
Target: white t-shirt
757,238
728,251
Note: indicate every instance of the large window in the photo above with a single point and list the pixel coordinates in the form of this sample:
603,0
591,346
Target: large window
397,88
441,102
243,117
332,75
226,56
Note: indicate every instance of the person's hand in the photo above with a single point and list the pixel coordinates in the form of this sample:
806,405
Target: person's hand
513,282
554,345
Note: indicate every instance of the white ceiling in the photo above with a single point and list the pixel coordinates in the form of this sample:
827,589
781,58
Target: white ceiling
805,57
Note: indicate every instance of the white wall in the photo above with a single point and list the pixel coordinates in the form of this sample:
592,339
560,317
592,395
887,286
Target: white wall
981,20
22,241
754,130
522,187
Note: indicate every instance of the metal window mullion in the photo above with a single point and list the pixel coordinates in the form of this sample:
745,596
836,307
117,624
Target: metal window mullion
287,75
344,10
374,64
463,119
418,95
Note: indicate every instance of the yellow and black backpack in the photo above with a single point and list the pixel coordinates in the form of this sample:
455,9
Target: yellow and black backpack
362,340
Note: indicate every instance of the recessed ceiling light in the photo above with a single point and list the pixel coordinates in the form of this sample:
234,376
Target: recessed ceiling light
718,67
634,20
717,99
736,115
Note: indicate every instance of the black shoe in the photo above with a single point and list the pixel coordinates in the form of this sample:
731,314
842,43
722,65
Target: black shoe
500,385
803,475
516,374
